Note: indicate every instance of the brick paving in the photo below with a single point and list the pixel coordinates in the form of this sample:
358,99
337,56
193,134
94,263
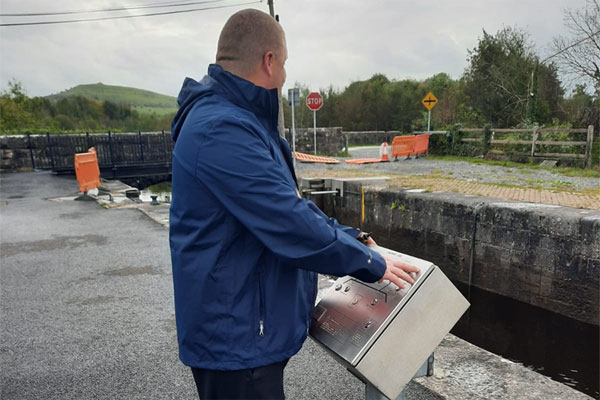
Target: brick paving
588,199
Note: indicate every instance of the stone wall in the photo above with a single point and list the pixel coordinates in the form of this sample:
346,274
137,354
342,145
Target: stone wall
330,141
371,137
19,152
547,256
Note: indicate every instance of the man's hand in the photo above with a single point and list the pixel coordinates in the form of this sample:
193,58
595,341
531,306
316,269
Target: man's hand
396,271
370,241
367,241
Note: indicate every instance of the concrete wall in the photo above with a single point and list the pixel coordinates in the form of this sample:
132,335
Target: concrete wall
547,256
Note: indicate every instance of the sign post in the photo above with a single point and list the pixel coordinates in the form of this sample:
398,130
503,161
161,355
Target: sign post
314,102
294,100
429,102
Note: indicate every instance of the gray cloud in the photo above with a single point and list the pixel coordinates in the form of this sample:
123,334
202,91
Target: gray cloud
330,42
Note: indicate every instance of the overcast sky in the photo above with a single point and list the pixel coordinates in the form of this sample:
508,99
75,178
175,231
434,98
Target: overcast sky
329,42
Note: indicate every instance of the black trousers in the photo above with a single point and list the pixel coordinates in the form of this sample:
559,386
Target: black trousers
254,383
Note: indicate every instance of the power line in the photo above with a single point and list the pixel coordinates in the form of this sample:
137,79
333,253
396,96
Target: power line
139,7
128,16
570,46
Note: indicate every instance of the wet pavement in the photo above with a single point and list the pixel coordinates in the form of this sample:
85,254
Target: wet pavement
86,311
87,304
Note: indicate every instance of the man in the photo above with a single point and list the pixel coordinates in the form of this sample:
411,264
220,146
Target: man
244,245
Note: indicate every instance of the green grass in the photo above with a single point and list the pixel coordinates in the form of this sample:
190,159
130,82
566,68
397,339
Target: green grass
160,187
142,100
159,111
566,171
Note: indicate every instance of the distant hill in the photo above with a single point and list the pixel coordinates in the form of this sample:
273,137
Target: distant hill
143,101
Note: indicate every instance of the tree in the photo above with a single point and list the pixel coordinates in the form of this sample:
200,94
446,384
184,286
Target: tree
579,55
506,82
498,76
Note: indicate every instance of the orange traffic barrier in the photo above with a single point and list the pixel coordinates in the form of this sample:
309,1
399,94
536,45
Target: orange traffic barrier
364,161
403,146
87,171
421,144
302,157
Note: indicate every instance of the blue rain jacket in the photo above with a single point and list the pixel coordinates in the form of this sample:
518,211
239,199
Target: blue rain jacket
244,246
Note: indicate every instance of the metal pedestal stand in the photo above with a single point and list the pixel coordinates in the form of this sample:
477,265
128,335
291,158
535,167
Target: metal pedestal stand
371,392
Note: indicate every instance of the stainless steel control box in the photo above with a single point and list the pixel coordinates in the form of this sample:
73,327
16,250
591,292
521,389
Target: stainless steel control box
381,333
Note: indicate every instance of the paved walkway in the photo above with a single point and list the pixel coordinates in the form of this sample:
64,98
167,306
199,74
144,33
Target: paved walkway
589,199
86,306
524,184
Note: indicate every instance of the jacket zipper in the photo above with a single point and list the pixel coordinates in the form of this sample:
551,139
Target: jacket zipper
261,313
315,288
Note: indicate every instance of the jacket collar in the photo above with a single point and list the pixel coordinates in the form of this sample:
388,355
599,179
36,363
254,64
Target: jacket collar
264,103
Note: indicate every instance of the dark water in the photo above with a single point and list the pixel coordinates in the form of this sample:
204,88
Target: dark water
556,346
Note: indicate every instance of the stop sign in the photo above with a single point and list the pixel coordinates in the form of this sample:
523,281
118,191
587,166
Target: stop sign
314,101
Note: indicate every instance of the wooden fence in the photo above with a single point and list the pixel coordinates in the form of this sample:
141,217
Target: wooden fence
538,140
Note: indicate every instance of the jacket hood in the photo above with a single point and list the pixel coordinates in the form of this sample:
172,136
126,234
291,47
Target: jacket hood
262,102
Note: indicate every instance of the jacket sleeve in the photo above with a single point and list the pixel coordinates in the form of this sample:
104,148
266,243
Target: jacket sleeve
235,163
333,222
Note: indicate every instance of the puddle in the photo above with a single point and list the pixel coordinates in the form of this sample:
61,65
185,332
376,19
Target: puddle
132,271
162,197
57,243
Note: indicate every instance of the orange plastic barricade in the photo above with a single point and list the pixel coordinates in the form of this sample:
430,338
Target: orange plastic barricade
87,171
403,146
422,144
363,161
302,157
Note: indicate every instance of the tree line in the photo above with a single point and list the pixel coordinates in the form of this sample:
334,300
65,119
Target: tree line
22,114
505,84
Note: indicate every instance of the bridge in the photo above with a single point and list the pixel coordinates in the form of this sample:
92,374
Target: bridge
120,155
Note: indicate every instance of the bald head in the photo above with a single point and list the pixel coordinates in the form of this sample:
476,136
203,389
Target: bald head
244,40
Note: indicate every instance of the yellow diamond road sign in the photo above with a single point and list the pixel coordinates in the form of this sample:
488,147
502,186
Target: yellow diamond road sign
429,101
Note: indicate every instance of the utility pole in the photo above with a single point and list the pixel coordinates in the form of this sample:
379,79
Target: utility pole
271,9
280,126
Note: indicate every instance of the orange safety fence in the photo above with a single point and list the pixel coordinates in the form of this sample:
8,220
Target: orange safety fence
364,161
87,171
302,157
411,145
403,146
422,144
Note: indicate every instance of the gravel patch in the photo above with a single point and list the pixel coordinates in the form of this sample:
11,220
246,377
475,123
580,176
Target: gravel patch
480,173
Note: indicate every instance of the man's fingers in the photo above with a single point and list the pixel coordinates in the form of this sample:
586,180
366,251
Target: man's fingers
402,275
397,281
404,266
399,272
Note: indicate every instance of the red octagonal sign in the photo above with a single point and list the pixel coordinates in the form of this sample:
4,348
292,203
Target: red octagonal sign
314,101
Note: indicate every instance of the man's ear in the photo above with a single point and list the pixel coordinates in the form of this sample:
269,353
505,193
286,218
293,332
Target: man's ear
268,60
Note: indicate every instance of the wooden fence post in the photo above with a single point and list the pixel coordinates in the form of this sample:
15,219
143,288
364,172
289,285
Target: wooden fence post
533,139
588,147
